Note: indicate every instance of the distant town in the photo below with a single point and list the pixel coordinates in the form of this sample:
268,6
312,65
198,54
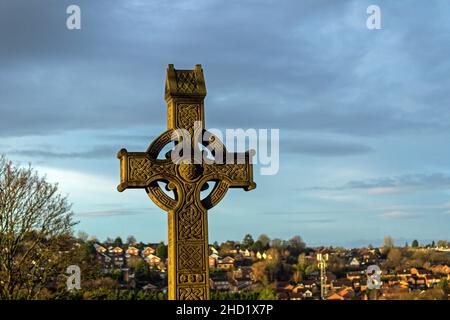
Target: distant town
265,268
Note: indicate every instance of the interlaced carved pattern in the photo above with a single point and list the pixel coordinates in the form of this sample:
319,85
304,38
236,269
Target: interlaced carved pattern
192,293
231,171
190,218
186,82
187,115
142,169
190,257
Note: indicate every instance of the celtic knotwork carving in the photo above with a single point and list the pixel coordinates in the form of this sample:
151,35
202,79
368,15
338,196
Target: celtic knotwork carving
190,257
140,169
190,224
190,218
143,169
230,171
187,115
186,81
192,293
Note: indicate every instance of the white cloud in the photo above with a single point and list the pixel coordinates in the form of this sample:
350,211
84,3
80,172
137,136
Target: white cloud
394,215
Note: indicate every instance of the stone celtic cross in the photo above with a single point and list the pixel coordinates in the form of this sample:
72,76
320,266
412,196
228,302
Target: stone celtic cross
188,267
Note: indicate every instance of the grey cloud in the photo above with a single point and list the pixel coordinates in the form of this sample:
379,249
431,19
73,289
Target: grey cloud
111,213
94,153
409,181
313,221
310,65
397,215
326,148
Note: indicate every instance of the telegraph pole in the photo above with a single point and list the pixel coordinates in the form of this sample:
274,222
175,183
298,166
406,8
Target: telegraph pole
322,264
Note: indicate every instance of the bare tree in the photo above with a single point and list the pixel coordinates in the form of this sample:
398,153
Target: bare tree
131,240
82,236
388,242
35,221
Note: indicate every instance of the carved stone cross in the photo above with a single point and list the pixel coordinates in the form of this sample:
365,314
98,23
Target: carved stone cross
188,251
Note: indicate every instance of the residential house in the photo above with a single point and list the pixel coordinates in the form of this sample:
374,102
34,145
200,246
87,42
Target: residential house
420,272
355,275
117,255
153,260
416,282
354,262
226,263
341,283
213,250
100,248
432,281
404,274
132,251
212,261
219,282
147,251
344,294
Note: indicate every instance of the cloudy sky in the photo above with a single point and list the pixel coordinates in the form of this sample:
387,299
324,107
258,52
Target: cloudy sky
364,115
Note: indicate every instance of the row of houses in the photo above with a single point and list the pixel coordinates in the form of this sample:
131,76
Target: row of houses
353,286
117,257
230,261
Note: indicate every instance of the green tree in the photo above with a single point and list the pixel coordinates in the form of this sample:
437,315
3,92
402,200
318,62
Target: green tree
248,241
394,259
143,274
118,242
415,244
257,246
296,245
142,271
443,284
84,256
264,240
161,250
35,225
267,294
226,247
116,274
442,244
300,268
278,244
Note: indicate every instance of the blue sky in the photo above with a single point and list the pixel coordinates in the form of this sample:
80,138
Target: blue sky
364,116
